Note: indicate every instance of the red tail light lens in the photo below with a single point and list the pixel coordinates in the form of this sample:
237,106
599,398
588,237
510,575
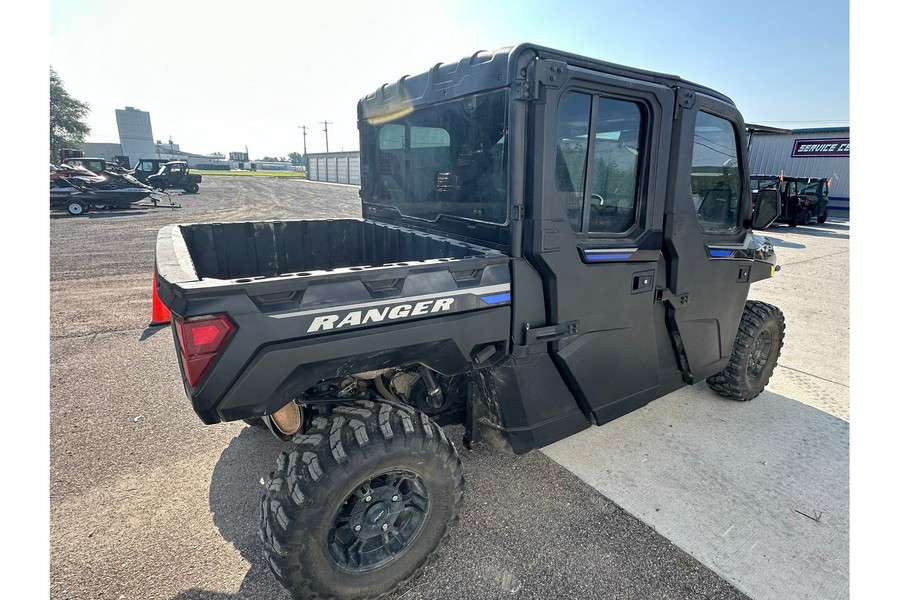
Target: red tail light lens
201,339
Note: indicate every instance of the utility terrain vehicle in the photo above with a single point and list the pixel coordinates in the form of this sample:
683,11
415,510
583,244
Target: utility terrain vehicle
175,174
146,167
801,199
547,242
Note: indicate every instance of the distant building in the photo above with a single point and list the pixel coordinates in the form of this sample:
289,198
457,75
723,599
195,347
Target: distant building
336,167
136,141
135,134
817,152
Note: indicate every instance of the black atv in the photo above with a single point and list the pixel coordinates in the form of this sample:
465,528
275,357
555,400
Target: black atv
175,174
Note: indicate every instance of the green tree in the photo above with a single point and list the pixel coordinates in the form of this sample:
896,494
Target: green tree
67,126
296,158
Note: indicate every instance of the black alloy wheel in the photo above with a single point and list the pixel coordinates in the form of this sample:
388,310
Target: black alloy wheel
379,521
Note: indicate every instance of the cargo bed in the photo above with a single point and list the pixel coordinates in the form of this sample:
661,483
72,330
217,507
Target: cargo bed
311,298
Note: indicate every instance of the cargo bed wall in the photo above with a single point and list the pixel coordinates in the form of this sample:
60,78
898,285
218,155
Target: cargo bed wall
272,248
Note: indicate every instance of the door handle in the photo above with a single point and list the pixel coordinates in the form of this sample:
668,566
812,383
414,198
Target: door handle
551,333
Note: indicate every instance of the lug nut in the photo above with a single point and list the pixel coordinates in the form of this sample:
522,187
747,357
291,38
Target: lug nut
384,527
357,528
394,498
368,498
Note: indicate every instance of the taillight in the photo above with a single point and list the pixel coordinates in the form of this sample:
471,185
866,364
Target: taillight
201,339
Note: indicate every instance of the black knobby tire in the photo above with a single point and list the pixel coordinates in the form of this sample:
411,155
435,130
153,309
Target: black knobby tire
801,218
358,507
823,217
192,188
754,355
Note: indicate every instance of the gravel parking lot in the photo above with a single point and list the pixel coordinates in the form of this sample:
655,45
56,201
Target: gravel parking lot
147,502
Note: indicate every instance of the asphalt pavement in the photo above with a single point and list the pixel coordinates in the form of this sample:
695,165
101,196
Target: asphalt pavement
147,502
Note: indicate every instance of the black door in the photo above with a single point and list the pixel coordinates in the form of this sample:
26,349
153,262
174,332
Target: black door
596,236
707,245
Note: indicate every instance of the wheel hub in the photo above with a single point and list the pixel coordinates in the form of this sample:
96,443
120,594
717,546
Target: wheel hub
760,354
378,521
377,513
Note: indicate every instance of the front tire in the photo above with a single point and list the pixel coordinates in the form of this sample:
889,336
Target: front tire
823,217
357,508
754,355
192,188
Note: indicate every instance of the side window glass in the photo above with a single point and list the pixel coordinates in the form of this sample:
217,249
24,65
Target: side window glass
427,137
715,174
573,125
617,149
391,137
392,143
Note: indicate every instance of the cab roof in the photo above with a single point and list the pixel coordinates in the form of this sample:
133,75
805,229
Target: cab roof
487,70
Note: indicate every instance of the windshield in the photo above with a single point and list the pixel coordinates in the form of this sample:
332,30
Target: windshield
763,184
808,188
446,160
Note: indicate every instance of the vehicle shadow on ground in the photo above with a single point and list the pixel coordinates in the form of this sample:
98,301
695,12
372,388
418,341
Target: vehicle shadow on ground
152,330
104,213
780,243
235,494
526,528
827,230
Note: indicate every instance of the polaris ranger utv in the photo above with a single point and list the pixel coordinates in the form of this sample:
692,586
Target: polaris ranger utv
175,174
547,242
802,199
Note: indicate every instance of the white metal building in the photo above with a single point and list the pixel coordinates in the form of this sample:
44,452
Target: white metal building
336,167
818,152
135,134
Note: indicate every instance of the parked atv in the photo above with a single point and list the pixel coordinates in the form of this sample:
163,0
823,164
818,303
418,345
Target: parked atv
801,199
148,167
175,174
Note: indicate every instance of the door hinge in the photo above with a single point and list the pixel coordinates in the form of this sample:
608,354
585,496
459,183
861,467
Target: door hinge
540,73
684,101
517,212
674,300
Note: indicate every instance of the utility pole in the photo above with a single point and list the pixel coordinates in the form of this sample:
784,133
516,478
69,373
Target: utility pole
326,124
304,128
305,157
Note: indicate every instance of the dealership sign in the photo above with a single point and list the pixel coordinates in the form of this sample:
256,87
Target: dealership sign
822,147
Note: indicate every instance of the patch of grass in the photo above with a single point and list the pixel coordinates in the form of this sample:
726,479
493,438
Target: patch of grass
290,174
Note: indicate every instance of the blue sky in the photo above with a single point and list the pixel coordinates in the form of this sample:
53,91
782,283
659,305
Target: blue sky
216,79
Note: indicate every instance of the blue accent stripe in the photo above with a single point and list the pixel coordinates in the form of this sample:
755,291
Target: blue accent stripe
497,298
721,253
606,256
